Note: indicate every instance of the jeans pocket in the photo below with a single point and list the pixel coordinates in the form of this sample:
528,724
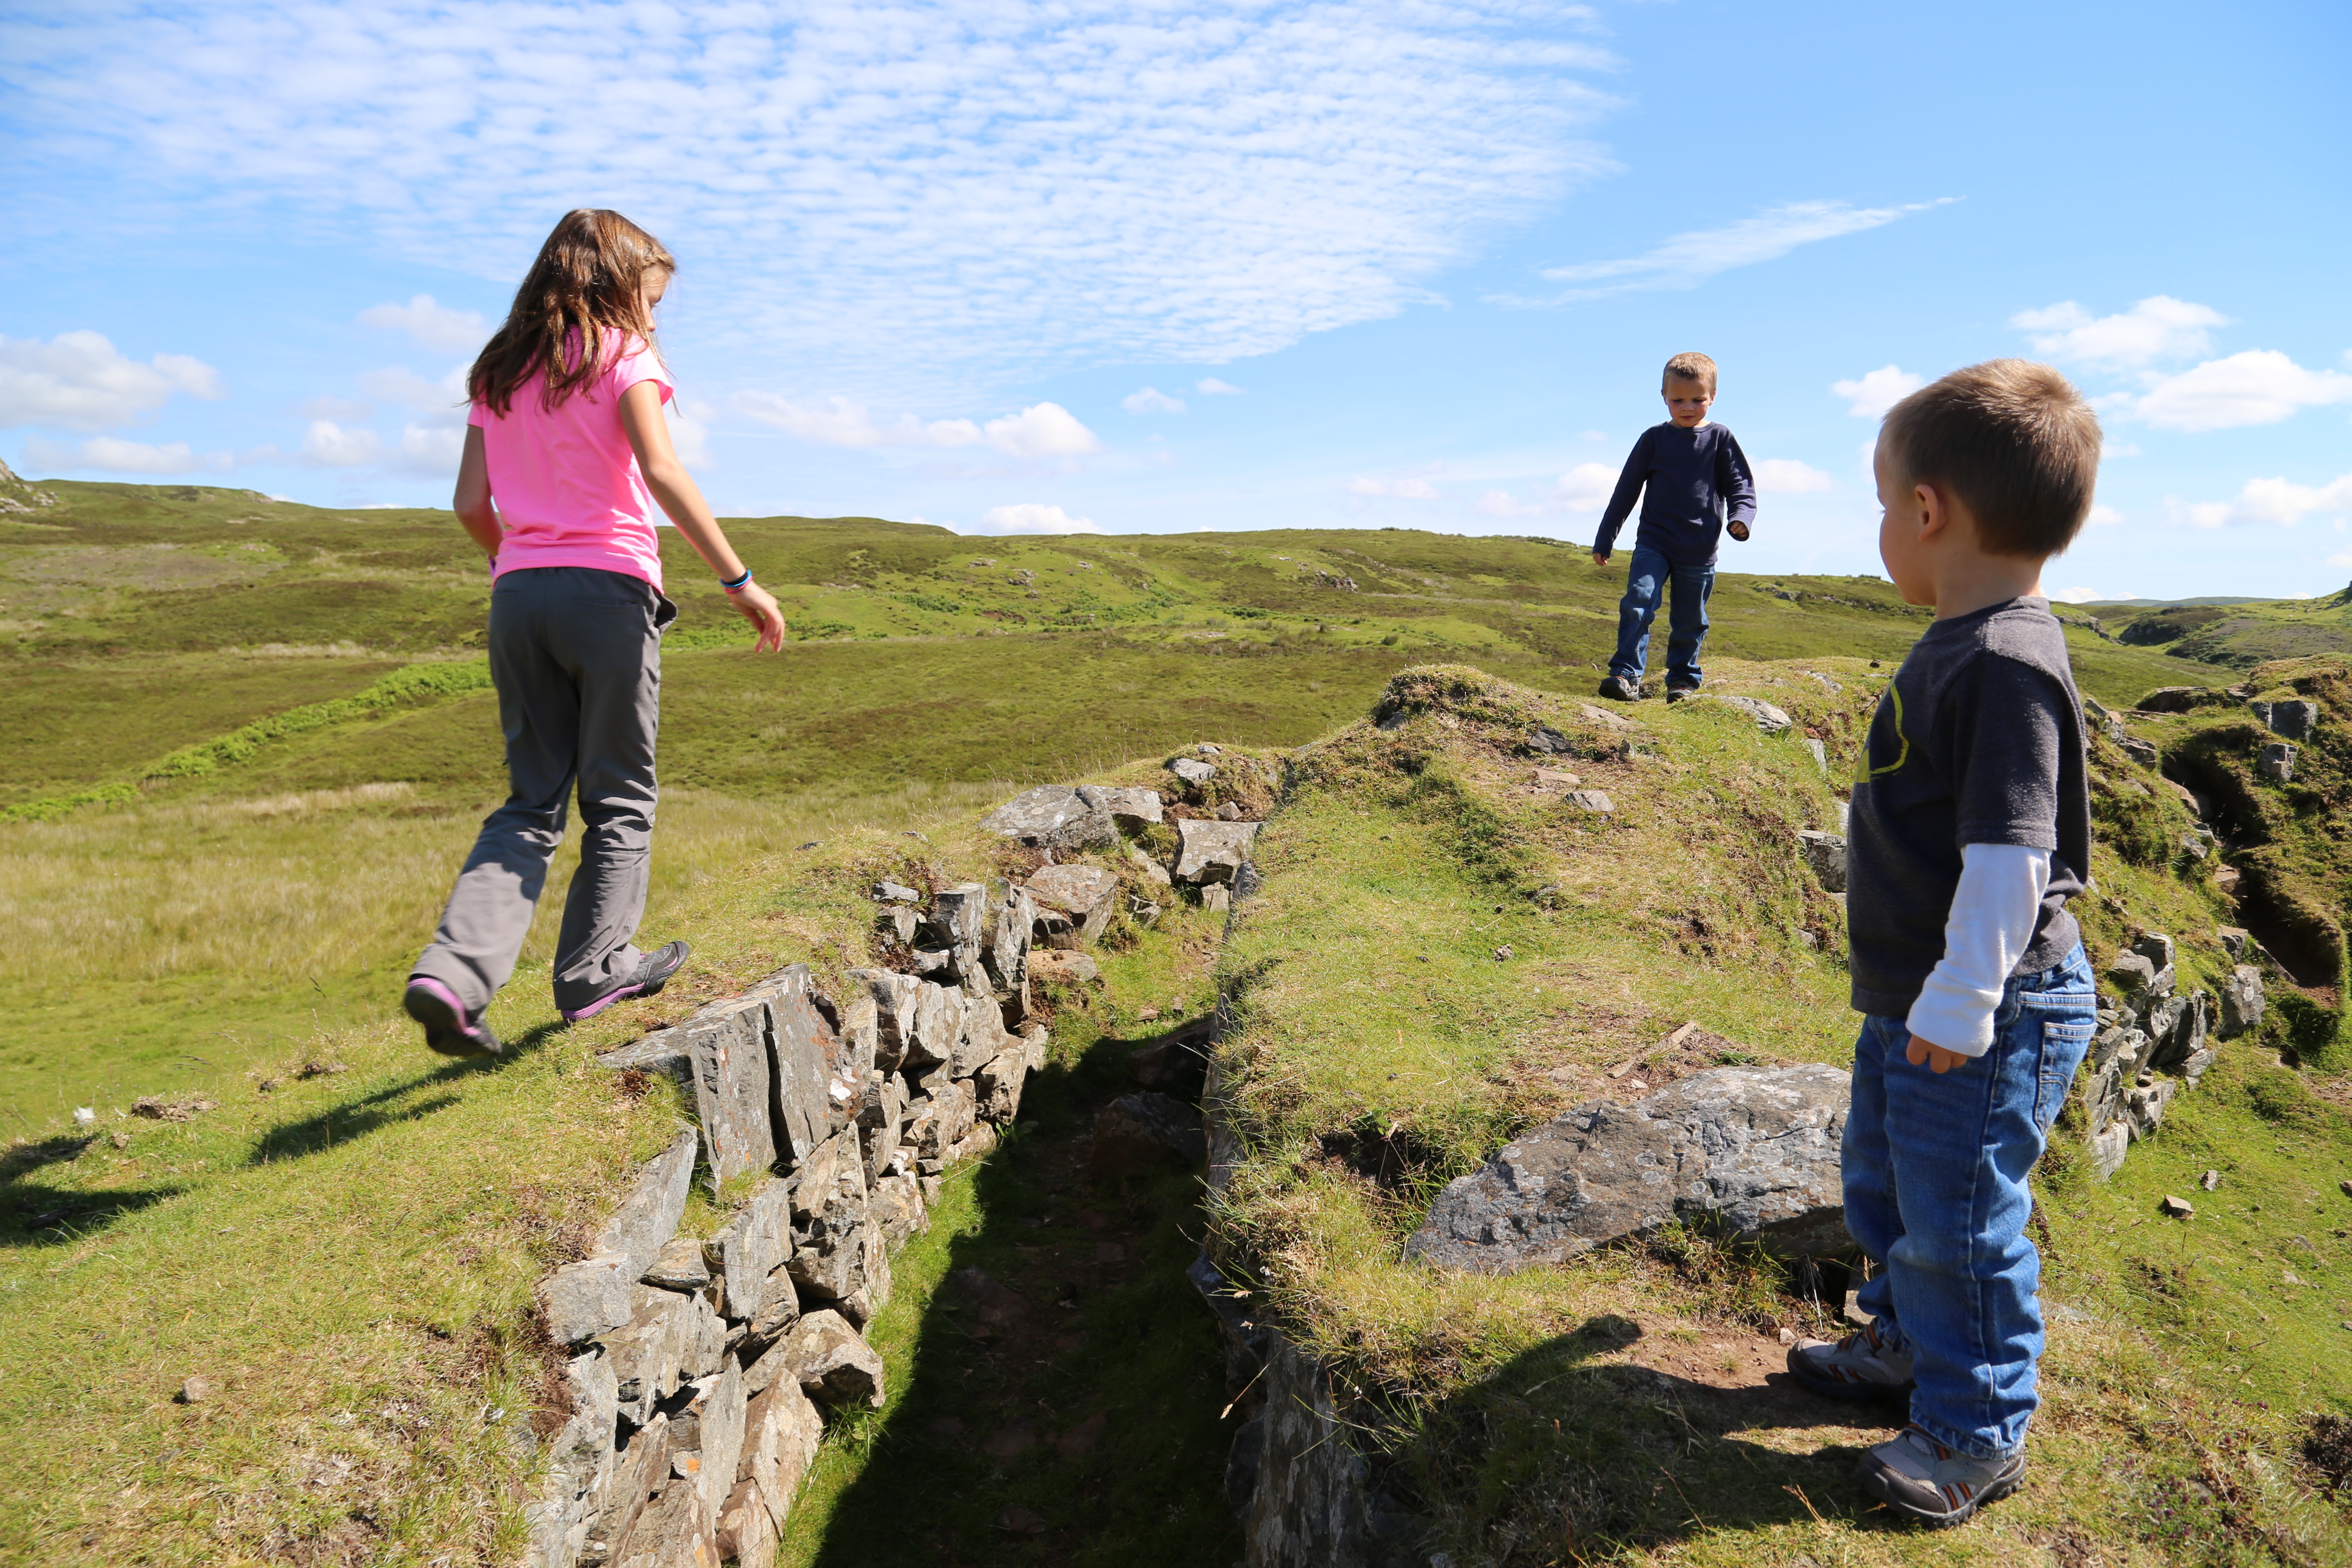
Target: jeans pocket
2064,1043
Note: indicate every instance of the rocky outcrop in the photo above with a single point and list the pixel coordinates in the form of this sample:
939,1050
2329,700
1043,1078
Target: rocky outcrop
696,1369
1752,1151
2146,1035
1825,853
1212,852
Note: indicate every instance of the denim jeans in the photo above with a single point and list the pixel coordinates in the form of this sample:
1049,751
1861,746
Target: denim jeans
1646,581
1936,1169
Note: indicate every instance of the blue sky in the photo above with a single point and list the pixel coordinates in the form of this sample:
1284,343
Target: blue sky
1157,267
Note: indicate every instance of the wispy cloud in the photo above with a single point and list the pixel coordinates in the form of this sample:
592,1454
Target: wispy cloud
1787,477
1030,517
1041,430
1870,395
1152,400
1582,490
1688,259
433,326
79,381
112,455
1396,486
2158,328
898,193
1210,387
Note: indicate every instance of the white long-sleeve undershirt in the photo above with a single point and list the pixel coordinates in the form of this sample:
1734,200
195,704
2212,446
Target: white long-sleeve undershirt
1994,910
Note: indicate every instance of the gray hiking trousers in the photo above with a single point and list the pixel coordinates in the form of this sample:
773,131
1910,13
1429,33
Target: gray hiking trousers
575,654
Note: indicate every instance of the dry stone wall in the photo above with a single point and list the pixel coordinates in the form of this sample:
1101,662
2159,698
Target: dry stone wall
699,1373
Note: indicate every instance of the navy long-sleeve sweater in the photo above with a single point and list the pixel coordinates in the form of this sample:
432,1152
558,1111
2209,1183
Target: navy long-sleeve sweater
1687,480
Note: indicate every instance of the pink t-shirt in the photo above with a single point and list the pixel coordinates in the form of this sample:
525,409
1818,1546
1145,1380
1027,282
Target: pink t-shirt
565,480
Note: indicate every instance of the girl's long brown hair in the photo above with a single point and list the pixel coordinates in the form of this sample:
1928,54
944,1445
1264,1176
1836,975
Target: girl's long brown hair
581,301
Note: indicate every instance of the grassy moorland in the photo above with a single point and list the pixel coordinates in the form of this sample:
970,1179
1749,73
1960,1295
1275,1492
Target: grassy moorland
251,739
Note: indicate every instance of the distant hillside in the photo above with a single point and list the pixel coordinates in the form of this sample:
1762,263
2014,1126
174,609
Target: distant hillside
2239,633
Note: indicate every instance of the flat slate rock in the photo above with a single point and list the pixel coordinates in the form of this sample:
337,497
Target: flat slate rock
1769,719
1212,851
1752,1151
1061,817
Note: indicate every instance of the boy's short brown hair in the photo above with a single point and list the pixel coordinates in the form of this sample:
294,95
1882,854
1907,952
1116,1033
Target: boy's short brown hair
2014,441
1691,367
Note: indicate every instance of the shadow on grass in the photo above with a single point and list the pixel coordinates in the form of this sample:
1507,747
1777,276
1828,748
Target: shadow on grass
1569,1459
340,1124
32,1215
1064,1397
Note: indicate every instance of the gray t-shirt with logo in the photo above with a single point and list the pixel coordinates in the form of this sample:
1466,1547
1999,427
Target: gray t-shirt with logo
1977,740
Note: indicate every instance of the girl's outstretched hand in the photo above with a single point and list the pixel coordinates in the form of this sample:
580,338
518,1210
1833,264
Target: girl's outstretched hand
758,606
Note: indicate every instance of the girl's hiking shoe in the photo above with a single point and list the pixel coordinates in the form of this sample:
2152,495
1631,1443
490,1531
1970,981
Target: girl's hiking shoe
1860,1366
447,1028
1920,1478
1680,693
652,972
1620,689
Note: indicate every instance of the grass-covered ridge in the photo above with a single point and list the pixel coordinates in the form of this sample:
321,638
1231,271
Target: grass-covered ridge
1613,1408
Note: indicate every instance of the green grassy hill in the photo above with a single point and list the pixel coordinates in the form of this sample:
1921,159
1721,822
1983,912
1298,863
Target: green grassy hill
250,742
2237,632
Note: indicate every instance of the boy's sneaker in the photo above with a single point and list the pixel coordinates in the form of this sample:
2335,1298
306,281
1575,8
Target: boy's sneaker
1620,689
448,1028
1919,1477
1680,693
652,972
1860,1366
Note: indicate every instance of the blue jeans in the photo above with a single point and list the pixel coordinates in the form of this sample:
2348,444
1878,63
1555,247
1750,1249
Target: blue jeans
1645,585
1936,1169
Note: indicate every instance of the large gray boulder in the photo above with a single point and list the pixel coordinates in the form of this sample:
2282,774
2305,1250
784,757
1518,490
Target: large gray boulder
1212,851
1751,1150
1056,817
2288,720
1073,903
2241,1000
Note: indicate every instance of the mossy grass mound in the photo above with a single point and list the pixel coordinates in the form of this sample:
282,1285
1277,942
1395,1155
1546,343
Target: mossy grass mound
1444,952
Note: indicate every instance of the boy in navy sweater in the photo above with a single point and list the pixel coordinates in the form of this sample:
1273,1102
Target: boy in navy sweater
1689,474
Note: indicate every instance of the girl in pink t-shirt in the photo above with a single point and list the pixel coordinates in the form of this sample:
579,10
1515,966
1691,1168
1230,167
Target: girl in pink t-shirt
566,457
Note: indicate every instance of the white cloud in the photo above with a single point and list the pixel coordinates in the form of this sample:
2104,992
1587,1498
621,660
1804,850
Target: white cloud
1041,430
1029,517
1787,477
1687,260
1583,489
1210,387
2279,501
1878,391
2259,387
1152,400
404,387
433,326
2158,328
422,450
941,192
2103,517
112,455
2076,595
1408,486
79,381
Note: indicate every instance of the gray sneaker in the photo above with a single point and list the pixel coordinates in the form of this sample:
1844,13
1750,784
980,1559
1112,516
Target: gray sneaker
1862,1366
1920,1478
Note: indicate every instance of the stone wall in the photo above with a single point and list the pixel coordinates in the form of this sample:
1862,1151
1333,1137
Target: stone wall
2155,1043
699,1373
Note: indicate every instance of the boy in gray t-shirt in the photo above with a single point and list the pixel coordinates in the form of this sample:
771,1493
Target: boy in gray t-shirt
1971,827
